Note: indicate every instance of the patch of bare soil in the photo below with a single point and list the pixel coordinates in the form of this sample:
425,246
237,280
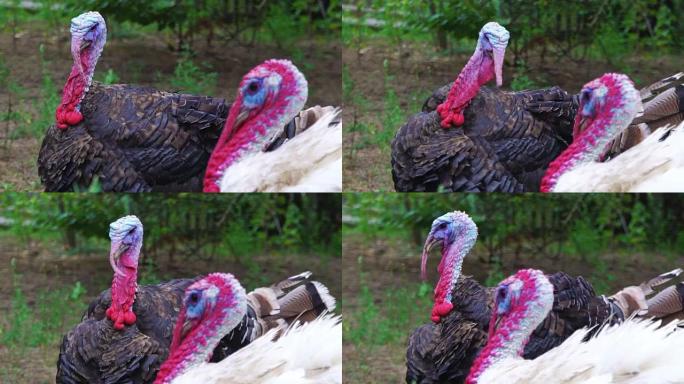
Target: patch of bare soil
146,60
389,264
417,69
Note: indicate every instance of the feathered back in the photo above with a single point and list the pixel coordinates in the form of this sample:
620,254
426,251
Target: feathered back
507,141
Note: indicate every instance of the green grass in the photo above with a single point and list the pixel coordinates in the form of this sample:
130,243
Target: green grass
192,78
45,104
402,310
42,322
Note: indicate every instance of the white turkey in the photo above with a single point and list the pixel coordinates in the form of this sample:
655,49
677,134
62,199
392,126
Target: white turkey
607,107
212,307
635,351
269,96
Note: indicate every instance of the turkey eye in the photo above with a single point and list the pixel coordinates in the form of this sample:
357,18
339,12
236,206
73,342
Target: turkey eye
502,294
194,298
586,95
253,87
442,225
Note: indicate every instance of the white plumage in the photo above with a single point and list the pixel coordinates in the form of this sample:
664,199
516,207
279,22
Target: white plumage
634,352
650,166
309,162
306,354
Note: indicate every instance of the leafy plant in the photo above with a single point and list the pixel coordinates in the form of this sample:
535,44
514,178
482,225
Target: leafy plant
191,78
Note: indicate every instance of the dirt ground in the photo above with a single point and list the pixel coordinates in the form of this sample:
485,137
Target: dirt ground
48,267
392,263
137,61
417,69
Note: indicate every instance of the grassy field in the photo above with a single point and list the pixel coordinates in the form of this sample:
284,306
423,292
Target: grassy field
384,83
385,299
34,67
44,290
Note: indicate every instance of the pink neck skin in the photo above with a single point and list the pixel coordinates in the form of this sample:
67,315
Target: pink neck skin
589,145
449,270
516,326
123,289
227,148
194,347
67,113
477,72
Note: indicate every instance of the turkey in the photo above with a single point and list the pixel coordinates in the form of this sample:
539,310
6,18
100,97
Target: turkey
131,139
648,353
212,307
443,351
268,96
122,137
126,332
607,106
482,139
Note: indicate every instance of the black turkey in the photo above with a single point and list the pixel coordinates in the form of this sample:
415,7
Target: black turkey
478,139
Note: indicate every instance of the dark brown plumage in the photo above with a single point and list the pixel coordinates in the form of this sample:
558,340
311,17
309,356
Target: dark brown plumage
93,352
133,139
444,352
506,143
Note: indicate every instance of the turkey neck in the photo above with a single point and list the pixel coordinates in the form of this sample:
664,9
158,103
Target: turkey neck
195,348
77,84
478,71
450,269
592,142
125,281
509,339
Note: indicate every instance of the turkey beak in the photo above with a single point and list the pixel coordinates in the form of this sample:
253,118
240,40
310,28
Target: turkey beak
187,325
498,55
118,249
429,244
85,44
580,125
241,117
497,322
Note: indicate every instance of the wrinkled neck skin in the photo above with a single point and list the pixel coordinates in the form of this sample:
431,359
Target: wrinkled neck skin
77,84
449,271
123,289
478,71
510,338
195,348
589,146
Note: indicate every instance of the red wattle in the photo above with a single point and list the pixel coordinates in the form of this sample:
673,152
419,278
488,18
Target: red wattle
440,310
118,326
67,118
451,118
129,318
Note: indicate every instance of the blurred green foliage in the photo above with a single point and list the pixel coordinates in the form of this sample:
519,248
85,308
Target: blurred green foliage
577,224
279,21
185,225
191,78
573,29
